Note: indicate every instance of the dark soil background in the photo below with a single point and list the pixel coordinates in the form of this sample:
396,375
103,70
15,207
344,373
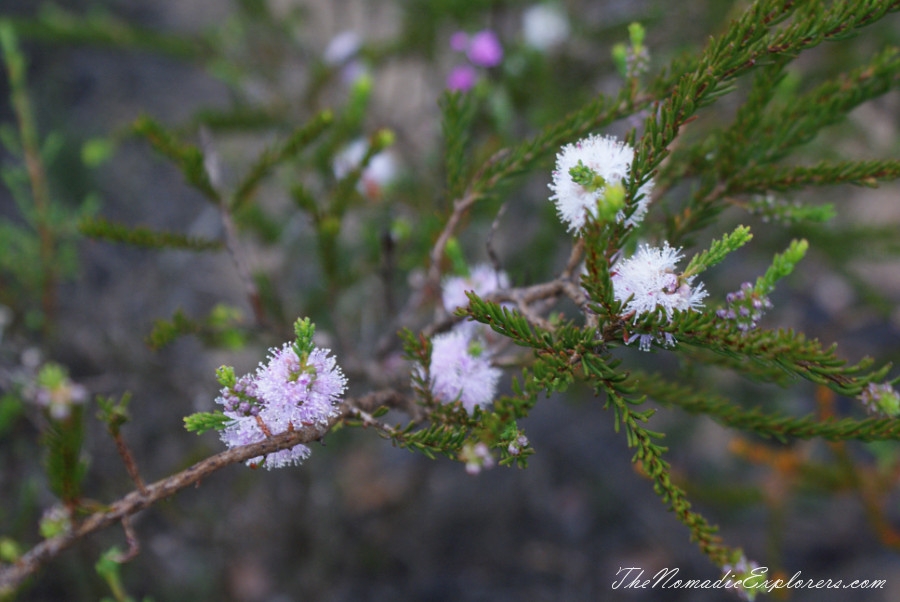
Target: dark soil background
361,520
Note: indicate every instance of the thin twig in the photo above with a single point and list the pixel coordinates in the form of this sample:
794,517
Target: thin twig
128,459
29,563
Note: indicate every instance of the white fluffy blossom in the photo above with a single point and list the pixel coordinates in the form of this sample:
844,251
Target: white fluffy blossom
647,281
545,26
611,160
482,280
461,370
381,171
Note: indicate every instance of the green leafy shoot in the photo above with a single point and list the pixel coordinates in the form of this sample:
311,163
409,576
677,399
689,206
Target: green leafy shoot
782,265
718,250
201,422
140,236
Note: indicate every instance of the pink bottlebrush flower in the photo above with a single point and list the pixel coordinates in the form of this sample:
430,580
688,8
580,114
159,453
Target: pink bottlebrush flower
485,49
462,78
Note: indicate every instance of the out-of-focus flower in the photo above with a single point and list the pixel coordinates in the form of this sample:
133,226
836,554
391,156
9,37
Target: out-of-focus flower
482,280
515,448
737,573
545,26
459,41
342,48
881,400
589,179
745,307
381,171
462,78
342,53
461,370
55,521
485,49
55,391
476,457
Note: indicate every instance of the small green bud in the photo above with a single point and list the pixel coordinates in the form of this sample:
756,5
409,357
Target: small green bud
401,229
612,201
52,376
330,226
305,331
636,34
9,550
587,177
455,254
55,521
97,151
225,376
620,58
382,139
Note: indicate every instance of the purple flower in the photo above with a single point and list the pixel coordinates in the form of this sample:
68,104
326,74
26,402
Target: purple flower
881,400
288,392
299,394
485,49
462,78
461,370
459,41
482,280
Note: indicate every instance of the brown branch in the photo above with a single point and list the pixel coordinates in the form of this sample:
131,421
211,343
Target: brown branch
12,576
128,459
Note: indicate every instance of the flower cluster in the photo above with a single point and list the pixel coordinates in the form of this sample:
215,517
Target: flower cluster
461,370
460,366
647,281
482,280
483,49
343,53
477,457
589,179
299,385
633,60
881,400
745,307
741,570
545,26
379,173
56,392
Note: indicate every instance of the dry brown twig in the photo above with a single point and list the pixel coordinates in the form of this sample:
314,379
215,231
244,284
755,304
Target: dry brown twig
120,511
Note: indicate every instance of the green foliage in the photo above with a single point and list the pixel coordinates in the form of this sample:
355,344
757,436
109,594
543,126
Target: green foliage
37,245
718,251
201,422
272,157
782,265
458,112
113,413
222,327
764,423
66,468
11,407
186,157
102,229
753,156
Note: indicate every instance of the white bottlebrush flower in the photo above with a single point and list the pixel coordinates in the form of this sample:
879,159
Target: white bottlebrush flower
606,157
482,280
545,26
461,370
381,171
647,280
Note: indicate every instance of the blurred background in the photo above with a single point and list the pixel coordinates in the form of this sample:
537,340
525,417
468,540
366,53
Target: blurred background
361,520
